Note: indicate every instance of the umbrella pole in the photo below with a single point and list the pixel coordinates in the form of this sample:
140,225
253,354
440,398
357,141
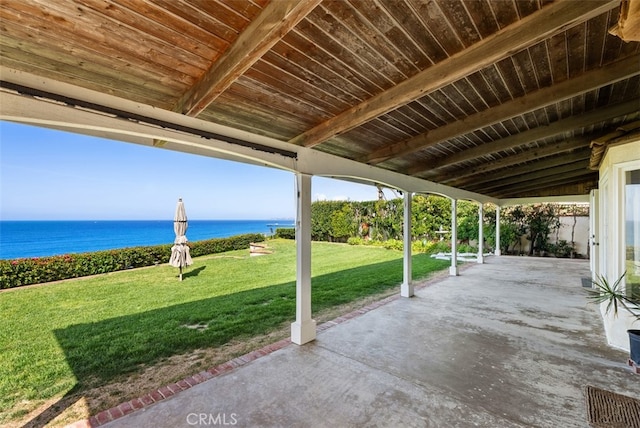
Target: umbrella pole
180,273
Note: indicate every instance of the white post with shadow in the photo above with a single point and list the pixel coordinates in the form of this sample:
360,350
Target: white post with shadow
497,251
453,270
480,233
406,289
303,330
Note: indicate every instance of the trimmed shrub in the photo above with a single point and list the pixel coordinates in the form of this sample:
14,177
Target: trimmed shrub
356,241
286,233
393,244
36,270
220,245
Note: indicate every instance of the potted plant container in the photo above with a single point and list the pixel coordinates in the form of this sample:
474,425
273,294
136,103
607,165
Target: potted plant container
615,299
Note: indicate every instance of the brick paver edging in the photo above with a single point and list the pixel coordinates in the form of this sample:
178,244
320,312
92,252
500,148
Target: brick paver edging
169,390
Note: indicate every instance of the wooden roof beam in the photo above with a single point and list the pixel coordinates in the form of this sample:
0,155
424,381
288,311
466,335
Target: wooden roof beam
545,23
586,82
533,176
429,168
275,20
456,178
586,179
544,164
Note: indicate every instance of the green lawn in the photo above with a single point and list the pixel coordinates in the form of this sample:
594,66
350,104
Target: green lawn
77,334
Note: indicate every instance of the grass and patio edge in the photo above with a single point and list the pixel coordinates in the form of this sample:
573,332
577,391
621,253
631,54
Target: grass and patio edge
38,270
69,337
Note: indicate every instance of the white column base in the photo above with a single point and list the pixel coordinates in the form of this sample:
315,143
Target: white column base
304,332
406,290
480,259
497,253
453,271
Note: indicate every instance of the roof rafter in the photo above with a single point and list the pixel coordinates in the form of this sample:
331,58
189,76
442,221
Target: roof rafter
578,178
543,24
429,168
561,91
522,175
275,20
458,177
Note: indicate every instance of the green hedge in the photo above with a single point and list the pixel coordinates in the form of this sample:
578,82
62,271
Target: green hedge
286,233
36,270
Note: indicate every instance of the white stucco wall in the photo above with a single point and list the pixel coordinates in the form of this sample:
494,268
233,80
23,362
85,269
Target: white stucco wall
617,160
581,235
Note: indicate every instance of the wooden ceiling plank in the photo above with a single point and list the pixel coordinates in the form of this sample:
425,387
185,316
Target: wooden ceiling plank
457,177
509,74
482,17
569,88
384,73
160,23
463,26
543,24
328,71
580,186
533,171
97,46
266,30
85,27
559,127
62,72
107,62
269,73
573,177
542,64
435,22
358,19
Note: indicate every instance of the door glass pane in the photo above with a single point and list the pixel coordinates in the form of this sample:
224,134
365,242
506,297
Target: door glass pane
632,232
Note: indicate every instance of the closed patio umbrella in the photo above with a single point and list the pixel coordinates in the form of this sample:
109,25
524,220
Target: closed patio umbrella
180,256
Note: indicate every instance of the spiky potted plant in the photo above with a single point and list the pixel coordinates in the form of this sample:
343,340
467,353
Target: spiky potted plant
616,298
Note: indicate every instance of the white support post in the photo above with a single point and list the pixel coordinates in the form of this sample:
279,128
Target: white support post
497,250
480,234
453,270
406,289
304,329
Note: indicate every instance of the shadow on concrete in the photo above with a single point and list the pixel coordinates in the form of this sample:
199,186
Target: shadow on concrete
100,351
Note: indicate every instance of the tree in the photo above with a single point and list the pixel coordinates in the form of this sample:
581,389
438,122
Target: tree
343,224
428,215
541,219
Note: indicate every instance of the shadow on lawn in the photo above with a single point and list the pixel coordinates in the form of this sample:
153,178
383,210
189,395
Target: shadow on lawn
98,352
194,272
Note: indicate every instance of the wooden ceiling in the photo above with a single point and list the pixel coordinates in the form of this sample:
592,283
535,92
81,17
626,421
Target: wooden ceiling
502,97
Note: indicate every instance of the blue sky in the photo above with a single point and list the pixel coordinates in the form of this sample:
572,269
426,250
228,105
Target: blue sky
53,175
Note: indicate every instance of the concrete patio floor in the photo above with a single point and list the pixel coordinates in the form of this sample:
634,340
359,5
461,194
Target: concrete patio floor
508,343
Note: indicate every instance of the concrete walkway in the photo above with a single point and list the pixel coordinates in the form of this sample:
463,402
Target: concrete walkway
509,343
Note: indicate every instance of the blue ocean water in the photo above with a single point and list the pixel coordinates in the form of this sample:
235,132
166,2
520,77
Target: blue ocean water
48,238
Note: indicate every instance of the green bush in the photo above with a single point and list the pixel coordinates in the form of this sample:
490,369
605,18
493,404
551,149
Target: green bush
220,245
466,248
435,247
393,244
36,270
356,241
286,233
561,249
